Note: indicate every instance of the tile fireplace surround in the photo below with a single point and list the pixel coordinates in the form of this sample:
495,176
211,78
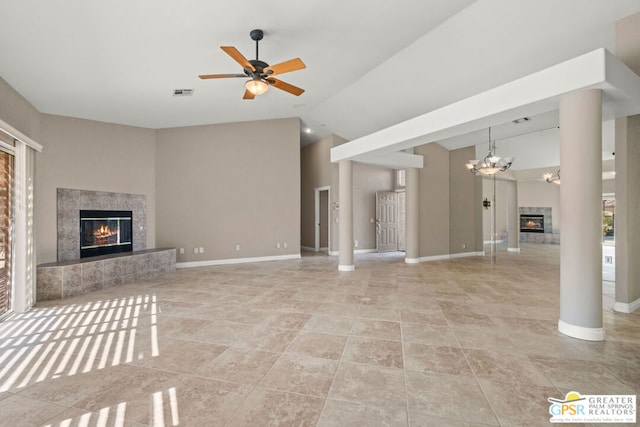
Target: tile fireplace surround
72,276
70,202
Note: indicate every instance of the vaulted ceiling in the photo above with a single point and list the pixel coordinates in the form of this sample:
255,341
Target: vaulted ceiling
369,64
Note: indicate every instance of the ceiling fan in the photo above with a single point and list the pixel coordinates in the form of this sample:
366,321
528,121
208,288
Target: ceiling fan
259,72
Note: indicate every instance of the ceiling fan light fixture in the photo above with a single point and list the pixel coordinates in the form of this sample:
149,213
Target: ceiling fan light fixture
256,86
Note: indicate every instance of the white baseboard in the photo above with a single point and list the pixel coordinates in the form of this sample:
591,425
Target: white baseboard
513,249
580,332
449,256
622,307
412,260
467,254
488,242
346,267
365,251
310,249
235,261
355,252
434,258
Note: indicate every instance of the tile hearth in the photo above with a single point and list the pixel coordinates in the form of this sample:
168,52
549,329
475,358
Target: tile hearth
448,343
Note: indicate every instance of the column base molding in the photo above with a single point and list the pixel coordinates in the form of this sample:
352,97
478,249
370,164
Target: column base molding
580,332
623,307
513,249
412,260
346,267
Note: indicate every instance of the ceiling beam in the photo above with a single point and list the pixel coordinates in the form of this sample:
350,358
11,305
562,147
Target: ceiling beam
530,95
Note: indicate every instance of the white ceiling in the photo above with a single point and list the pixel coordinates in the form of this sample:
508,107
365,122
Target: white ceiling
369,64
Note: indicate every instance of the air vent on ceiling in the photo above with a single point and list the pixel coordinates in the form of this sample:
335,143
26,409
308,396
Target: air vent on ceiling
522,120
182,92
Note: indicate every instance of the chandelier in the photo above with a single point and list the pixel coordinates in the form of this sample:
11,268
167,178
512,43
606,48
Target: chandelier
550,178
491,164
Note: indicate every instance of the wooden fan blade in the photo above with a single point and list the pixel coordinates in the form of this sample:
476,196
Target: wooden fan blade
285,86
220,76
285,67
237,56
248,95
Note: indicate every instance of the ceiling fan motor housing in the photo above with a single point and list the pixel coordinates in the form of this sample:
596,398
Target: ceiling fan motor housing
256,35
258,65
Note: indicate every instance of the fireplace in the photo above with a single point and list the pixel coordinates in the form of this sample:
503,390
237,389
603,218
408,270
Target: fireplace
531,223
105,232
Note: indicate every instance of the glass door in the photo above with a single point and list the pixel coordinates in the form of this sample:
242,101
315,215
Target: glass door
6,227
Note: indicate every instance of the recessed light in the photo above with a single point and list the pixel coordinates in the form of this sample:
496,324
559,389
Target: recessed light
307,130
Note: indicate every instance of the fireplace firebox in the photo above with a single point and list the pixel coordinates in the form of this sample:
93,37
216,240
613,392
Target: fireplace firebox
105,232
531,223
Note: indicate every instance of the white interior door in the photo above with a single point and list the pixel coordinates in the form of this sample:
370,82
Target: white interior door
387,221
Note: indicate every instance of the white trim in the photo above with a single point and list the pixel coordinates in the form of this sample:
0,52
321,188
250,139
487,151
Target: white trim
364,251
580,332
434,258
15,133
412,260
355,251
448,256
513,249
488,242
623,307
467,254
236,261
346,267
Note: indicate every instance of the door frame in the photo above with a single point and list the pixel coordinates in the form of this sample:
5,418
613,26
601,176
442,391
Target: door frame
316,223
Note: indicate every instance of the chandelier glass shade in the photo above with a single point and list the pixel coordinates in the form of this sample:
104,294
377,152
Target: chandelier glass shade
549,177
491,164
256,86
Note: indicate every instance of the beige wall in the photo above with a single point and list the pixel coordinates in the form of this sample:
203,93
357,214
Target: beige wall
367,180
500,208
541,194
316,171
433,184
16,111
231,184
89,155
465,198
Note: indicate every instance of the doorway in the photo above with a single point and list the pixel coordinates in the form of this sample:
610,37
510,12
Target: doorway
322,222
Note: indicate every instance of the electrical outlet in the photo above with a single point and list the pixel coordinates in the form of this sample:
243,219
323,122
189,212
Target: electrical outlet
181,250
355,244
278,245
285,245
201,250
195,250
237,247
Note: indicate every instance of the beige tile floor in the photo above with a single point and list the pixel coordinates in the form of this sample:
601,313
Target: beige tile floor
294,343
